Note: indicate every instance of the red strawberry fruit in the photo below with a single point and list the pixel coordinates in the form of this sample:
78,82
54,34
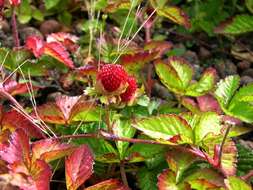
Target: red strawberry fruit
130,91
112,79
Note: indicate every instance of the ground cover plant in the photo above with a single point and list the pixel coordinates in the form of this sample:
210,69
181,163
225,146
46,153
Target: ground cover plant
126,94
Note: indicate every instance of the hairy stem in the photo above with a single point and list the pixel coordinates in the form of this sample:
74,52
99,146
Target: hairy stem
15,29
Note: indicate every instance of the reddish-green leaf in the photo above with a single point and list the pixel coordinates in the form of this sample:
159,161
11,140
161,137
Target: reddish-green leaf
68,109
51,113
179,161
237,25
168,129
229,156
167,181
205,179
161,47
78,167
111,184
176,15
134,62
59,52
50,149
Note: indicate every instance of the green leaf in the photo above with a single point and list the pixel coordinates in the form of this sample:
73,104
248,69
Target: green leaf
245,160
209,123
143,152
50,4
123,128
176,15
167,129
235,183
204,85
237,25
38,15
65,17
147,179
226,89
241,104
24,12
176,74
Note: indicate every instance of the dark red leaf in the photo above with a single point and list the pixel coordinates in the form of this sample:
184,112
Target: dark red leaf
35,44
59,52
78,167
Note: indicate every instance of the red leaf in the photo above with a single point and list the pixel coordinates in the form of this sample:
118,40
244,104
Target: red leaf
68,40
35,44
50,149
14,120
59,52
15,88
208,103
41,174
78,167
18,149
35,178
111,184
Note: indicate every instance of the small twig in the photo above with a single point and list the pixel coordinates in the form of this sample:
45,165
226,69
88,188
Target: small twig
123,173
108,136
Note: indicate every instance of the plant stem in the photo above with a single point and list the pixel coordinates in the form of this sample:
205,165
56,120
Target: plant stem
15,29
248,175
123,173
223,143
107,119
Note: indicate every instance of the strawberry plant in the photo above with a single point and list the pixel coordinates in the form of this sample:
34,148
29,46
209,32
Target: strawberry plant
105,101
